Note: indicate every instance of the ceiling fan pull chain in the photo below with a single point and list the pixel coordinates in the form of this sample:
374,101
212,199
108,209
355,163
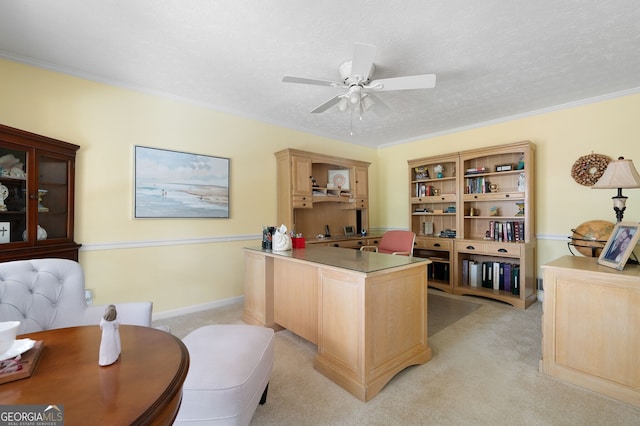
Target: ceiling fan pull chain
351,124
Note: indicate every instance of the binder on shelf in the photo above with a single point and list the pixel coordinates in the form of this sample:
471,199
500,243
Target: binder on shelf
496,275
507,277
487,274
475,274
515,280
465,271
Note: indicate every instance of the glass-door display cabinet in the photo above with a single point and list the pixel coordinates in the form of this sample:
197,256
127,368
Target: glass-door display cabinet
36,196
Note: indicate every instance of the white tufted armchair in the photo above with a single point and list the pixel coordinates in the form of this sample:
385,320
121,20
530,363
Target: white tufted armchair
49,293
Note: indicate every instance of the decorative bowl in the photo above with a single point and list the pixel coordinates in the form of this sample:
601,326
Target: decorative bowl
8,330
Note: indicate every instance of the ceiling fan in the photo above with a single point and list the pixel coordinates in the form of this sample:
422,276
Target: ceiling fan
356,76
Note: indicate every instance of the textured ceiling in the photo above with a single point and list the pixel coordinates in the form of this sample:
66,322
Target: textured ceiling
493,58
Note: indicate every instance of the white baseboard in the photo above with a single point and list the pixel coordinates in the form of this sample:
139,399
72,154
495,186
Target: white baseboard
197,308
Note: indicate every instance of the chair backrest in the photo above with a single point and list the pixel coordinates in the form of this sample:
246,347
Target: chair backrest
400,242
42,293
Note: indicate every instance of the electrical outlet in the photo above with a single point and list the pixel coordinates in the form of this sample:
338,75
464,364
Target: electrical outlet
88,296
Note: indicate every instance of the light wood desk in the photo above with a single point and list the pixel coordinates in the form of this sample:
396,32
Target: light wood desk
591,326
366,312
143,387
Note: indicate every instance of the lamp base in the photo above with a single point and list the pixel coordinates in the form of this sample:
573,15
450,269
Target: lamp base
619,204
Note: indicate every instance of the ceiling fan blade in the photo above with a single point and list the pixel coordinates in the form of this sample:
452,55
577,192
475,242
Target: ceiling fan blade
363,56
425,81
378,107
304,80
328,104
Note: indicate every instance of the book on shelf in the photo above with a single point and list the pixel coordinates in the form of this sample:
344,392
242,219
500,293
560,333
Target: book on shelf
509,231
521,230
476,170
477,185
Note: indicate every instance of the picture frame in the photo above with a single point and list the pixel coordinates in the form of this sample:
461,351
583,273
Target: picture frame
349,231
339,178
5,232
504,167
176,184
621,242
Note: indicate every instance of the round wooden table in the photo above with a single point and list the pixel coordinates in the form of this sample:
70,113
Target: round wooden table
143,387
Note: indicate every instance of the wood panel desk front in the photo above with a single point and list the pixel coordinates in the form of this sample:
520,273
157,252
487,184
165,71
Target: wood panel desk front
366,312
591,326
143,387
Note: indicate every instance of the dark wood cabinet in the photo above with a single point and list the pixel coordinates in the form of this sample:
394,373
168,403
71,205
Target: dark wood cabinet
37,184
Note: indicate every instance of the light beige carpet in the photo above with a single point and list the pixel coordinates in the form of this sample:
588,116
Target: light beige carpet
484,371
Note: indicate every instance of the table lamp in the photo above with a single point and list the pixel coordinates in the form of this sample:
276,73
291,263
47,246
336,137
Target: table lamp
619,174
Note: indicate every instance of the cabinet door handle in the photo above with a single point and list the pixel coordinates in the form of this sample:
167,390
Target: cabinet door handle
471,248
475,196
359,243
507,195
502,250
436,245
336,245
32,196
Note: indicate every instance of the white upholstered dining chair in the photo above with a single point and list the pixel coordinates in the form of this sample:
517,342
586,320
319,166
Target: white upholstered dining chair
44,294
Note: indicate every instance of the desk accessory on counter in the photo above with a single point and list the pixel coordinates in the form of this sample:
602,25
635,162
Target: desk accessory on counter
281,240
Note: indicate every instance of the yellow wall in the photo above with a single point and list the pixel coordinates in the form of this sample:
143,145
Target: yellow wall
184,262
608,127
128,259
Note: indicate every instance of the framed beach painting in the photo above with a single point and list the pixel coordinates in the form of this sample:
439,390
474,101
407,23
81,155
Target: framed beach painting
173,184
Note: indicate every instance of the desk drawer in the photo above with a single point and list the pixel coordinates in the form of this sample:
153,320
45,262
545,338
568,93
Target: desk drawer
302,202
434,243
504,249
489,248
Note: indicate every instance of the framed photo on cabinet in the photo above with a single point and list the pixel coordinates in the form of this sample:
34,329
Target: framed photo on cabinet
174,184
621,243
339,178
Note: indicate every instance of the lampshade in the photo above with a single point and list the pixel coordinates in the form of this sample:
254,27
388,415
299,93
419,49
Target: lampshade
620,173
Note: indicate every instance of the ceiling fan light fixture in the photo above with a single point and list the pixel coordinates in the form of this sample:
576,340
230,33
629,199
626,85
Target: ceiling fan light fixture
355,94
367,102
343,105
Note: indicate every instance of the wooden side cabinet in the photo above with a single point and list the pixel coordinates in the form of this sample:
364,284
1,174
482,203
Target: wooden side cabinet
590,326
37,176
